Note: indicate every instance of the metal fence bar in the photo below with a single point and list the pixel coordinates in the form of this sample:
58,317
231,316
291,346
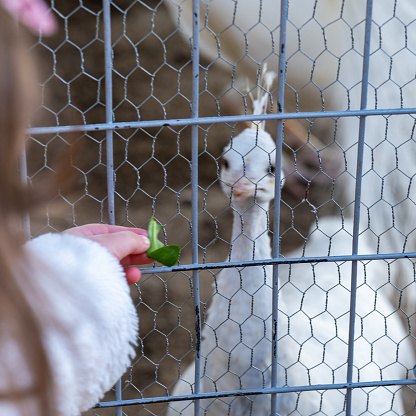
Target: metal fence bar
278,193
195,180
108,56
251,392
357,202
215,120
288,260
108,53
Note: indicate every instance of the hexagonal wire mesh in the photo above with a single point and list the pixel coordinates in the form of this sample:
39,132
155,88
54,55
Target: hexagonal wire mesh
149,96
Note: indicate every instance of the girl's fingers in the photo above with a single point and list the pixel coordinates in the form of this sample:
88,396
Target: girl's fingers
123,243
97,229
132,275
135,259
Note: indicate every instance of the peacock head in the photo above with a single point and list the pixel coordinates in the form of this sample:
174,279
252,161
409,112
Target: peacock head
248,169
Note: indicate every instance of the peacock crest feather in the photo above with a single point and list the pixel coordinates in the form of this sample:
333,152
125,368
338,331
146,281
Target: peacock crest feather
263,99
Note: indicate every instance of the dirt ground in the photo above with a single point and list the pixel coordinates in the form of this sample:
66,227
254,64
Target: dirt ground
152,167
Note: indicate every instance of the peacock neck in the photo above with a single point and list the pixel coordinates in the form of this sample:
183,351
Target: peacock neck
250,238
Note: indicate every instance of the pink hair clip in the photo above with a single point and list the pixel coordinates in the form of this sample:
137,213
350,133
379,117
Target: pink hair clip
34,14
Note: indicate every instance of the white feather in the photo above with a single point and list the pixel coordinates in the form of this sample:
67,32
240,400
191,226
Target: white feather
263,96
317,305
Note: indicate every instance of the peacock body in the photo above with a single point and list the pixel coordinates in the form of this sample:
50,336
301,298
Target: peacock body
314,303
317,307
236,347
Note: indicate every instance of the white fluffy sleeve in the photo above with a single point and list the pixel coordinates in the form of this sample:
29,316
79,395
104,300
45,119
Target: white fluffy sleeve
91,338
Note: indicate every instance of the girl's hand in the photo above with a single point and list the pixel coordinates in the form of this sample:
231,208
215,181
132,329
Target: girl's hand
128,245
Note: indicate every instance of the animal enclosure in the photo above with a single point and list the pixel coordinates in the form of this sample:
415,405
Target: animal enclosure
149,97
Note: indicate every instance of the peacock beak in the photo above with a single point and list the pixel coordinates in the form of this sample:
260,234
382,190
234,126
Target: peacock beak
239,194
242,190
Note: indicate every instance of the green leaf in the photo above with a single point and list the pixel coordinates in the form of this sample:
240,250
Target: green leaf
167,255
153,230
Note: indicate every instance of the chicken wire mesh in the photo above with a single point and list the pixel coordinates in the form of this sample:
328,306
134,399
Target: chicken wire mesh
144,98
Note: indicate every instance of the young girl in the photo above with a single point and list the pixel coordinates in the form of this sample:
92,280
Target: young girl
67,323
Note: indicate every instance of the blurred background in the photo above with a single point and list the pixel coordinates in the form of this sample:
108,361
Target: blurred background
152,80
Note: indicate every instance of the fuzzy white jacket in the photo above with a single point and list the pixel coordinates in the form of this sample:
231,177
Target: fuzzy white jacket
90,340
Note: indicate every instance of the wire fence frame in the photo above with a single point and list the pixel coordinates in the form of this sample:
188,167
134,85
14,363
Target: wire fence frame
110,126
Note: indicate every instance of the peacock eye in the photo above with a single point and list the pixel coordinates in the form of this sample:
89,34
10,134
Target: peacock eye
225,164
272,169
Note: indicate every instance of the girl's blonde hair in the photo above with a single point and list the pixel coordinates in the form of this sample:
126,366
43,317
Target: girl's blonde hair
18,321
